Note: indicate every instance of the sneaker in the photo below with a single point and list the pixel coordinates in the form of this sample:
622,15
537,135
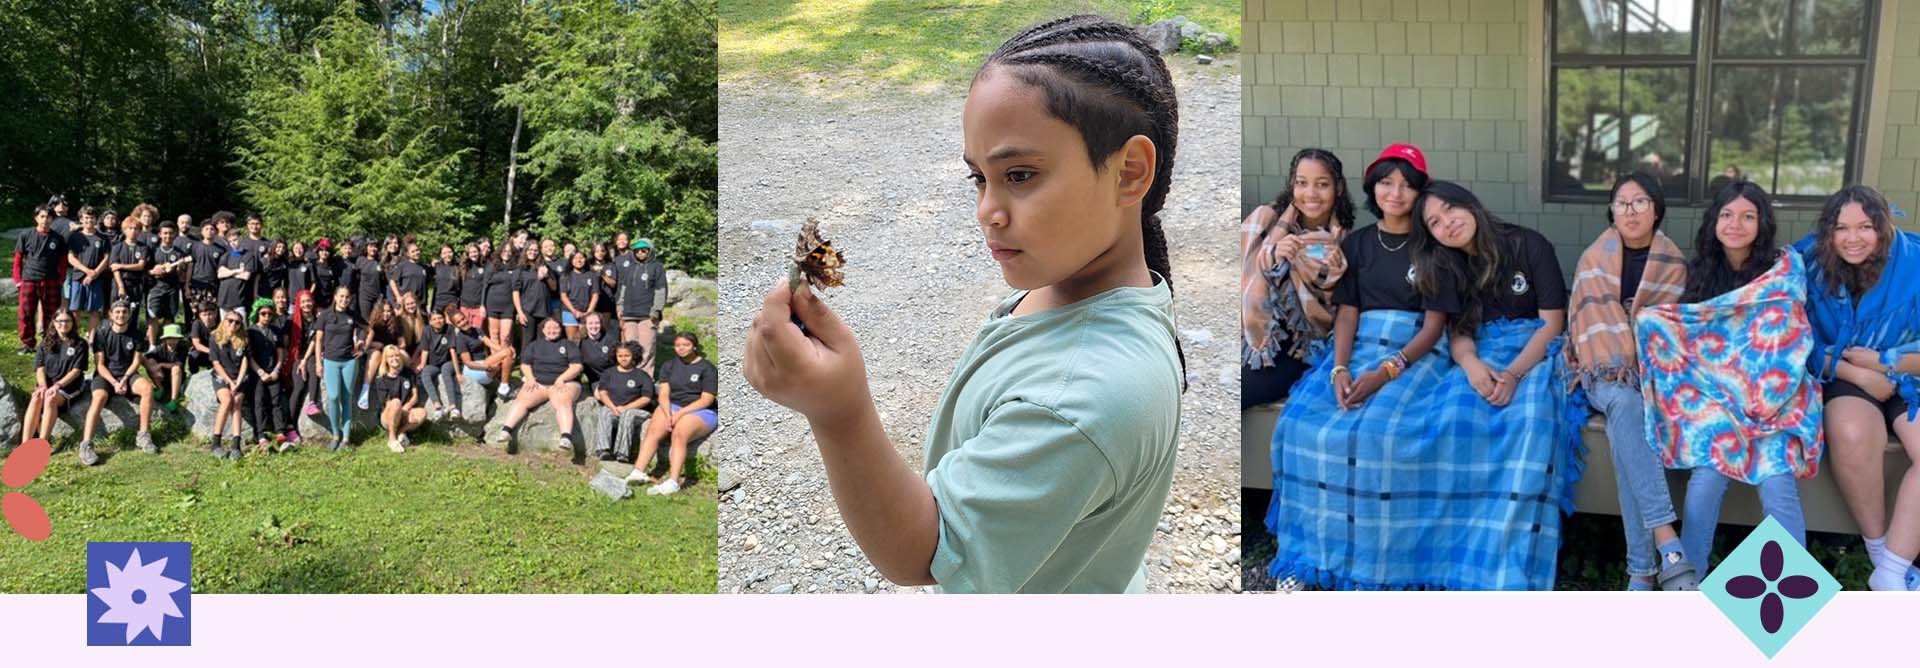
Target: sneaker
394,445
453,414
333,445
312,409
603,455
639,476
219,451
291,436
172,406
145,441
502,390
434,414
363,398
406,441
664,488
233,453
87,455
26,349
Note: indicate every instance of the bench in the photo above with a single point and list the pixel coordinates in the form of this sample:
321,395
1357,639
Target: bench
1595,493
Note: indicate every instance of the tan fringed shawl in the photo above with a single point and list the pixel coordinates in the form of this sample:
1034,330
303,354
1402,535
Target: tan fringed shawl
1275,303
1600,326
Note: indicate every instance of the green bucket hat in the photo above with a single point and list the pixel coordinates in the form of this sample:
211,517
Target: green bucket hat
642,243
171,332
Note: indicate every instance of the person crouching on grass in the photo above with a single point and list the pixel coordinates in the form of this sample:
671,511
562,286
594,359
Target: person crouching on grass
397,392
1051,454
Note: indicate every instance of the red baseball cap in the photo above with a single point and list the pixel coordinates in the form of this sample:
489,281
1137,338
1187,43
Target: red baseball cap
323,244
1407,152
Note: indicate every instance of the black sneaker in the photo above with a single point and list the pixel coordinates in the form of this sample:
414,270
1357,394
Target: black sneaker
234,453
219,452
26,350
604,455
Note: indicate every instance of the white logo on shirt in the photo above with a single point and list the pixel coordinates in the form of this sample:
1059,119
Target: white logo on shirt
630,383
563,350
1409,274
1519,283
406,385
129,345
69,350
695,378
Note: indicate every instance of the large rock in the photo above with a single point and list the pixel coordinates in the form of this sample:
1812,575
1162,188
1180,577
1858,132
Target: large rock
537,430
10,412
477,406
119,413
1163,35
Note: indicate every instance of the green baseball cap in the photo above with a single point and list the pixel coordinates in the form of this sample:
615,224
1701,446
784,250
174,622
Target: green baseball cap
642,243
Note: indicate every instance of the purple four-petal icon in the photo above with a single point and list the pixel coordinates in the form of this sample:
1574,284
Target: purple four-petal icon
1772,609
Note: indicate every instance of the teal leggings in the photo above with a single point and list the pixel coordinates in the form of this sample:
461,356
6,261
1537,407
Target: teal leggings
339,378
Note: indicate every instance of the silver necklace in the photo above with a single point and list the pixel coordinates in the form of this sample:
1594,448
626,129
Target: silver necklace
1381,236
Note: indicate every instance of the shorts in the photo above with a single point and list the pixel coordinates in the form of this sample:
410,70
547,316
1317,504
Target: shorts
477,376
567,319
501,314
705,414
87,298
162,306
100,383
1892,409
71,391
246,384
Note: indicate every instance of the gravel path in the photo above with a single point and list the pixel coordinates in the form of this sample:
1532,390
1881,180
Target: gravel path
881,170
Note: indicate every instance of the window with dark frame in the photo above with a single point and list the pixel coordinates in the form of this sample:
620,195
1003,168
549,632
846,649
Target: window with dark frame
1702,92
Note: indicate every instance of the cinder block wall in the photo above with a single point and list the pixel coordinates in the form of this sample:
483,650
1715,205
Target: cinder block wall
1454,77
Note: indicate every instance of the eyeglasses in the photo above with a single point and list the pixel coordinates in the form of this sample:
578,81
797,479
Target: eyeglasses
1638,205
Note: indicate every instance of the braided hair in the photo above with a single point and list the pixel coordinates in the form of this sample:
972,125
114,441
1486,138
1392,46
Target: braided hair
1104,79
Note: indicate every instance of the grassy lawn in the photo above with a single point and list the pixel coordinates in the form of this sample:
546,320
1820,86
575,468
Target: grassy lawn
910,43
451,515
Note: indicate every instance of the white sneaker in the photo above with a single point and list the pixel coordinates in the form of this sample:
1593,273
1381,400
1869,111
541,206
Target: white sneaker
502,391
394,444
453,414
638,475
664,488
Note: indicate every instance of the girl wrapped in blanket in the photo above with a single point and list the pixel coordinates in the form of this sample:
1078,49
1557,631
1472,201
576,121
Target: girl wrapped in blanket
1051,452
1632,266
1290,261
1728,396
1863,301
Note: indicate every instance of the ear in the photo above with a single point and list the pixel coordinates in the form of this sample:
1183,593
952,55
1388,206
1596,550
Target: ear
1138,159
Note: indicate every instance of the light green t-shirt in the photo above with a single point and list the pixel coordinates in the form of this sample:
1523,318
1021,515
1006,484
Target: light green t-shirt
1052,450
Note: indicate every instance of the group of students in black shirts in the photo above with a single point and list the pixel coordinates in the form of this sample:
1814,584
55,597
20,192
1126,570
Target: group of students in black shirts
289,328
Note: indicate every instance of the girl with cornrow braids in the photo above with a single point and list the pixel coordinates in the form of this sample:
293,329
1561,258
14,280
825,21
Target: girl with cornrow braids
1051,452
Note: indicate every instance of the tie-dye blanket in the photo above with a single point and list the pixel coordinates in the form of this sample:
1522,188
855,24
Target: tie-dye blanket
1426,486
1726,379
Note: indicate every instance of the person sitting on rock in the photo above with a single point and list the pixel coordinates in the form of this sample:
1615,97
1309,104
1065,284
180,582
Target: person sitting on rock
624,394
166,362
437,370
232,381
117,351
548,370
397,391
690,383
483,359
58,366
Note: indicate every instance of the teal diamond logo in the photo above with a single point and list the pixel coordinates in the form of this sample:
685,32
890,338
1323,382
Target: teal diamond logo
1770,587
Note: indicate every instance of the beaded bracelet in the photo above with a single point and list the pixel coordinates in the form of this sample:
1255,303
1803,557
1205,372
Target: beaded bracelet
1339,369
1392,368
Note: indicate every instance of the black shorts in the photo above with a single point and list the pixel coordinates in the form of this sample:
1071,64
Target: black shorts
1892,409
100,383
71,391
162,306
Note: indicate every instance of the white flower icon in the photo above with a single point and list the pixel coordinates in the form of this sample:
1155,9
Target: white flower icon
139,595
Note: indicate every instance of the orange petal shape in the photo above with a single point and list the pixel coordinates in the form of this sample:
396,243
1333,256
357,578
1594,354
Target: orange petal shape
26,516
26,463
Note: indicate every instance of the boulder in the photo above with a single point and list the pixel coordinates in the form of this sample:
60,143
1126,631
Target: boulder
198,406
11,414
536,432
1163,35
1213,42
477,406
119,413
1189,29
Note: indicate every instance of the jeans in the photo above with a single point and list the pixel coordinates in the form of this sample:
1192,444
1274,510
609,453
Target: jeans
269,408
1779,497
341,379
618,434
1639,477
434,377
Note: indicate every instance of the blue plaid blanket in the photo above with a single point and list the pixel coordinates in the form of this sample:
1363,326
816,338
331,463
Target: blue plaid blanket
1426,486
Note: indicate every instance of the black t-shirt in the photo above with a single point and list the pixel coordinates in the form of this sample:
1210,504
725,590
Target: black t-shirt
371,280
272,276
57,358
167,254
236,292
686,381
341,329
135,280
534,293
467,342
255,247
41,254
500,287
1380,276
199,332
1530,278
169,354
439,344
117,347
299,277
597,354
581,286
402,386
625,386
1633,266
206,263
229,360
265,346
90,249
446,285
473,286
411,278
607,290
549,359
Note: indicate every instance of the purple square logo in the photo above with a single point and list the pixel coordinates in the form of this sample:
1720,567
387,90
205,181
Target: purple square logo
139,594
